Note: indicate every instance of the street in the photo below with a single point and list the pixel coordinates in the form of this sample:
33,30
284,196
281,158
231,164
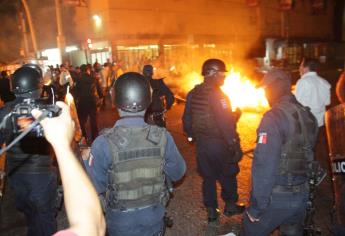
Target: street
186,207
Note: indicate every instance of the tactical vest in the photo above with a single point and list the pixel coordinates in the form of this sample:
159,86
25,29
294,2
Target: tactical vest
203,120
297,151
136,178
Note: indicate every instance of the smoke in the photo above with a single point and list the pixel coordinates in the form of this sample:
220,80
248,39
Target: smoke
9,39
44,17
44,21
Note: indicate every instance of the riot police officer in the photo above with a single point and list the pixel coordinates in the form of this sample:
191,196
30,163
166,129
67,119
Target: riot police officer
208,119
29,163
284,152
128,163
162,99
87,92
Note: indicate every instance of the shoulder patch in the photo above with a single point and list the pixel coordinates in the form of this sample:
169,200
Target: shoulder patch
262,138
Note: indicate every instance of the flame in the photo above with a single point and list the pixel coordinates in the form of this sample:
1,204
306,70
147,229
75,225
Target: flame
190,80
243,93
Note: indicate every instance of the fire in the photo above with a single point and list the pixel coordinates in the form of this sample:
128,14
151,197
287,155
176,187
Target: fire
243,93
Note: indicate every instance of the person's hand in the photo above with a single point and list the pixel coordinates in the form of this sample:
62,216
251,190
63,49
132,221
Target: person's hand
59,131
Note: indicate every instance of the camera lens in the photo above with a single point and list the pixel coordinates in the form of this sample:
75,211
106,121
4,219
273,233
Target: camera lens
24,111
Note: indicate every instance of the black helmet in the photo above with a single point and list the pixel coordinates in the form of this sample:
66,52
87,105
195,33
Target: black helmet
273,76
132,92
26,79
35,67
211,66
148,70
277,83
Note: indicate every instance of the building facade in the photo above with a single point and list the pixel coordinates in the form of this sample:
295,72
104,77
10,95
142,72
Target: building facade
230,29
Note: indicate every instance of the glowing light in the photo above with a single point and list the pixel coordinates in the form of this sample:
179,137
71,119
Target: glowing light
190,80
98,20
240,90
71,48
243,93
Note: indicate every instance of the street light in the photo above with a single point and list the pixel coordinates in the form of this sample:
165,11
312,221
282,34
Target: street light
98,20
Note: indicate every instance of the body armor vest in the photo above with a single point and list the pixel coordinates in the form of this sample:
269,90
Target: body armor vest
136,178
203,120
297,151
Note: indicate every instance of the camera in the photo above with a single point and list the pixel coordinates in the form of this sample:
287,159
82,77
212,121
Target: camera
21,115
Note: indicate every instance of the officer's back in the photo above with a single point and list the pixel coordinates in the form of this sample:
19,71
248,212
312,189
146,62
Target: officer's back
284,151
129,163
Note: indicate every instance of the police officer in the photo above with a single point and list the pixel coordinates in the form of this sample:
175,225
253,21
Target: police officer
87,91
284,151
162,99
6,94
29,164
129,163
208,119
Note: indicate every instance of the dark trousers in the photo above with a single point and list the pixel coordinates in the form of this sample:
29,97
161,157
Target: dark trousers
35,196
86,111
286,210
215,164
147,222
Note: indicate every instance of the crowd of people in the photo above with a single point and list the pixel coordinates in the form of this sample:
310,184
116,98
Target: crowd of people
130,165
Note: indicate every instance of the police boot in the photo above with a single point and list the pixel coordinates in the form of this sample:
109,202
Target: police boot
212,214
232,208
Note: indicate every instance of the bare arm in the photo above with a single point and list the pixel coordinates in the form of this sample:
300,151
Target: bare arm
82,204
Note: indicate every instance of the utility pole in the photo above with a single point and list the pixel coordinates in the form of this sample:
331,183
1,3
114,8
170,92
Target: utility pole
25,36
31,26
60,37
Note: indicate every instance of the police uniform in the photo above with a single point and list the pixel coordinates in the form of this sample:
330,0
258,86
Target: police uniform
127,165
86,91
209,120
162,99
32,177
284,150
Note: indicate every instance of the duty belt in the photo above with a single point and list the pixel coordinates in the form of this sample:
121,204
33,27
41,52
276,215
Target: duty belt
132,209
289,188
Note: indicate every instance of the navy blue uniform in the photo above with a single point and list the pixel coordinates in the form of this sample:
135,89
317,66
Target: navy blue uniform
215,156
162,100
147,221
86,91
271,204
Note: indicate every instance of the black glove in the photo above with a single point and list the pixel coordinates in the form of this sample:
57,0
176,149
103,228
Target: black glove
235,152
